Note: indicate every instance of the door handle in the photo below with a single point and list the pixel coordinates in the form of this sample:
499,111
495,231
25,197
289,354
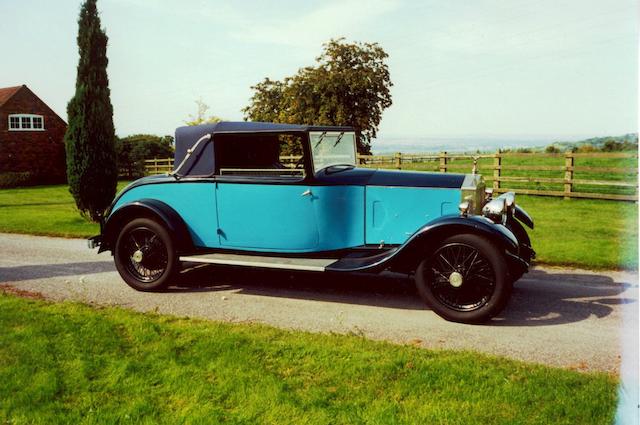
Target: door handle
306,192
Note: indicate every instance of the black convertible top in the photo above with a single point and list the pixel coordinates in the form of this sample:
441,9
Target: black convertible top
203,165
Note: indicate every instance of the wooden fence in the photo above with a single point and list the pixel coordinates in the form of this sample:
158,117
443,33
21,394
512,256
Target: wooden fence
548,174
158,165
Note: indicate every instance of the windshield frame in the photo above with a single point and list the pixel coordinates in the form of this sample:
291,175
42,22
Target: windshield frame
335,133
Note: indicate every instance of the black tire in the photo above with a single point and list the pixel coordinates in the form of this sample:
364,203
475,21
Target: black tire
145,256
521,234
483,285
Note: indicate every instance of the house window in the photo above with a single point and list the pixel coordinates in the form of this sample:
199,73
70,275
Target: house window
26,122
37,123
14,122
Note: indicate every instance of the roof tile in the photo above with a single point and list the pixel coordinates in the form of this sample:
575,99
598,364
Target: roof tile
7,92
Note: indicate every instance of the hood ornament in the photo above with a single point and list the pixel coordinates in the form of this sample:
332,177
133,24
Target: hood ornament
474,170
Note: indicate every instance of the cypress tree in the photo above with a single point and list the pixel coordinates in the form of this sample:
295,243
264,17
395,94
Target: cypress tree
92,171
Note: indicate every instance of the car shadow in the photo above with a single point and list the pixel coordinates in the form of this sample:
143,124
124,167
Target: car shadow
540,298
543,298
382,290
44,271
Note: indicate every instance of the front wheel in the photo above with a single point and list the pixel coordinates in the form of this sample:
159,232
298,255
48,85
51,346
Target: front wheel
145,256
465,279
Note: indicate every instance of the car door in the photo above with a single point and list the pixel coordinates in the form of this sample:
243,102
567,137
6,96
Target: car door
263,216
263,204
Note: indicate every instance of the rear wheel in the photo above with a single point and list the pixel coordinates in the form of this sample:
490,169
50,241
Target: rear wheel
145,256
465,279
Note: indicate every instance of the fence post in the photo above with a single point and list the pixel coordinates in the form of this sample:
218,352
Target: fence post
443,162
497,170
568,174
398,160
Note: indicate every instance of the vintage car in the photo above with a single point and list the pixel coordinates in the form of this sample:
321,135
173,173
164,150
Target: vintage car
234,199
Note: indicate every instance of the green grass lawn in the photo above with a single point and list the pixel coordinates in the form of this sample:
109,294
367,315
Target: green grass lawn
582,232
578,232
70,363
44,210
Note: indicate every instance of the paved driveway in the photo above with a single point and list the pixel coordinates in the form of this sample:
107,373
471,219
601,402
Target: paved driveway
569,318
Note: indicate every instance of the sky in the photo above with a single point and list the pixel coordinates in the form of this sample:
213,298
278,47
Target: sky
558,69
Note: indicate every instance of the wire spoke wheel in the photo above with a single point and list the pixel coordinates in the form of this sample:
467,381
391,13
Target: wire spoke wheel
145,255
461,277
464,279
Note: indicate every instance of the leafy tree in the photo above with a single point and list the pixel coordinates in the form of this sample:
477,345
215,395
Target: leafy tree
552,149
350,85
612,145
92,171
133,150
200,117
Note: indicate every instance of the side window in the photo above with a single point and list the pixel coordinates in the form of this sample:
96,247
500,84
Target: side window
271,156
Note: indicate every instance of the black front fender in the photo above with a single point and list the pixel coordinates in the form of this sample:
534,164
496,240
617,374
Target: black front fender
523,216
147,208
406,257
427,238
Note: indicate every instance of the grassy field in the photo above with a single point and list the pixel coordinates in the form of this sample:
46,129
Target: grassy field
582,232
578,232
44,210
70,363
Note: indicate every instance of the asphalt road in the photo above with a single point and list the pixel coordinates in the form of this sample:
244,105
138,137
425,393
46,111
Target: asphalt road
570,318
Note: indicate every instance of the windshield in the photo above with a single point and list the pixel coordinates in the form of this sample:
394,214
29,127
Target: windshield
332,148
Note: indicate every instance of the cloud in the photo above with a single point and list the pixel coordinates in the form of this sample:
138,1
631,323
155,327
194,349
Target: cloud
331,19
532,27
290,23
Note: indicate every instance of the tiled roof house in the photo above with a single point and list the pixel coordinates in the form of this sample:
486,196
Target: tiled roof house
31,136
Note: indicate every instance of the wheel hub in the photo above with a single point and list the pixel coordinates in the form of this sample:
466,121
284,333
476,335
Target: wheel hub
455,279
137,256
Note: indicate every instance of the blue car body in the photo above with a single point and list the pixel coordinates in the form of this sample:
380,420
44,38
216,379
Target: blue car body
276,218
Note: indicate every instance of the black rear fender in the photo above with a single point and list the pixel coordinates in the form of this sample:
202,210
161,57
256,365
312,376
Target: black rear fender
147,208
429,237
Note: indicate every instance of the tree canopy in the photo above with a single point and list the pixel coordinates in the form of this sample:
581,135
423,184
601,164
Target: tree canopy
133,150
92,171
350,85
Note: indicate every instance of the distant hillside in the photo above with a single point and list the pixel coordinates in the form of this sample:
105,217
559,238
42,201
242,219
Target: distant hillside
608,143
471,144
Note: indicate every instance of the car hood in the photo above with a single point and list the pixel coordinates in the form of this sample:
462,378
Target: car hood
373,177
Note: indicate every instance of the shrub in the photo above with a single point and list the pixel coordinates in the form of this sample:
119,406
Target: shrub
586,149
15,179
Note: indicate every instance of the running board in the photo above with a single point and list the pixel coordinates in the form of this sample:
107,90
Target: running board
309,264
